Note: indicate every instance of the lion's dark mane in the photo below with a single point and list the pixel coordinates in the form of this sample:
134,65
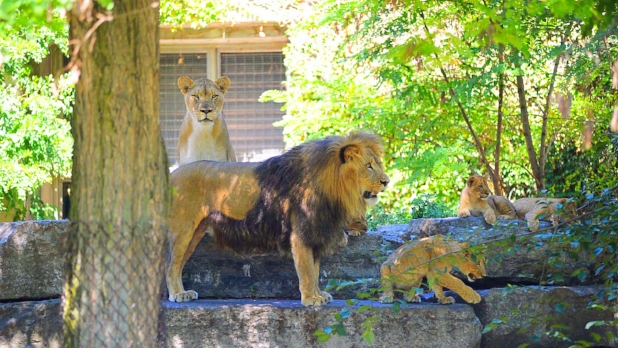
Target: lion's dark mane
284,180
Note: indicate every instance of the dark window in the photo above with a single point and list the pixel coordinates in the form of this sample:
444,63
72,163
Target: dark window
66,199
249,122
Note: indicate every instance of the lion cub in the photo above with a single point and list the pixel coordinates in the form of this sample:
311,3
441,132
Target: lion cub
476,200
203,133
431,257
531,209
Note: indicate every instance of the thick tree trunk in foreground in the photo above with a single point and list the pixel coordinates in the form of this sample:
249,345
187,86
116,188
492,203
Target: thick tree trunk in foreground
120,196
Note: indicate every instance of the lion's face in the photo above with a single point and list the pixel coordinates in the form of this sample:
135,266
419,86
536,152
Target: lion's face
373,179
477,187
471,269
204,99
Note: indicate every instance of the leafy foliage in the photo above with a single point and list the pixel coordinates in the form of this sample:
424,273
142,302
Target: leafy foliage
35,135
436,80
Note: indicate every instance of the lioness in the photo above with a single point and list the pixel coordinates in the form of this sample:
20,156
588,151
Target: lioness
429,257
203,133
296,203
476,200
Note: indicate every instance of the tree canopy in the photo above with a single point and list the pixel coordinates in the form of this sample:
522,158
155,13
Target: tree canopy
518,90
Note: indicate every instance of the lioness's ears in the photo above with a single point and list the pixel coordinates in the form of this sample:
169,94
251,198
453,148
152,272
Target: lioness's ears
223,83
348,153
185,84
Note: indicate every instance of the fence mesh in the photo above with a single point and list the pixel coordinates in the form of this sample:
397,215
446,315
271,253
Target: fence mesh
113,283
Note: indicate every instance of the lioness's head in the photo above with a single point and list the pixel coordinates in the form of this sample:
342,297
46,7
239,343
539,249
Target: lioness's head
362,159
204,98
472,266
478,187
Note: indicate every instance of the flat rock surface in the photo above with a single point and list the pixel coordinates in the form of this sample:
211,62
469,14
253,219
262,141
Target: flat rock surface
246,323
32,259
522,313
260,323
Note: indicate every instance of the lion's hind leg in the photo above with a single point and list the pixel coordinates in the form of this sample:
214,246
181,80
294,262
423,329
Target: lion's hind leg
180,238
388,294
456,285
410,280
504,208
490,216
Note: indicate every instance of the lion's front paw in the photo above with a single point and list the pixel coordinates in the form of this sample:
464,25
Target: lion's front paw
447,300
416,298
490,218
325,295
533,225
386,298
474,298
355,233
183,296
315,300
463,213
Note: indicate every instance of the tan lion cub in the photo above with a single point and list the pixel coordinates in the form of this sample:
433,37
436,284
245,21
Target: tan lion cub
533,209
203,133
476,200
431,257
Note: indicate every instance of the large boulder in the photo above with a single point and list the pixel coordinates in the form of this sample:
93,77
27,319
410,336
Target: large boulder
534,315
243,323
32,259
249,323
522,265
224,274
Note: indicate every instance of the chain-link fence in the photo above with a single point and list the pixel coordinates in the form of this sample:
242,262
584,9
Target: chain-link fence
114,273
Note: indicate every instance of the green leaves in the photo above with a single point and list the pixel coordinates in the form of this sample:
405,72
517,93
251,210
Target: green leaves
35,135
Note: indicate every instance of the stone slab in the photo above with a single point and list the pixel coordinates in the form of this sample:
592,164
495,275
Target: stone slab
32,259
261,323
246,323
532,311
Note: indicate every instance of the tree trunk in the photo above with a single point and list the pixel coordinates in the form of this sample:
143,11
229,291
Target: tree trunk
534,164
120,192
497,177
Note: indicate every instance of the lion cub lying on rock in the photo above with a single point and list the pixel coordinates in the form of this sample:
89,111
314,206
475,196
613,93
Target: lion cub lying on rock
476,200
433,258
533,209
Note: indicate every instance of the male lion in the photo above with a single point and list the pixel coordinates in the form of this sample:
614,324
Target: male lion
533,209
430,257
476,200
203,133
296,203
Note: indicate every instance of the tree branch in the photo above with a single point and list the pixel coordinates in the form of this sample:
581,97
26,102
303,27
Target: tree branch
542,151
477,141
497,178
